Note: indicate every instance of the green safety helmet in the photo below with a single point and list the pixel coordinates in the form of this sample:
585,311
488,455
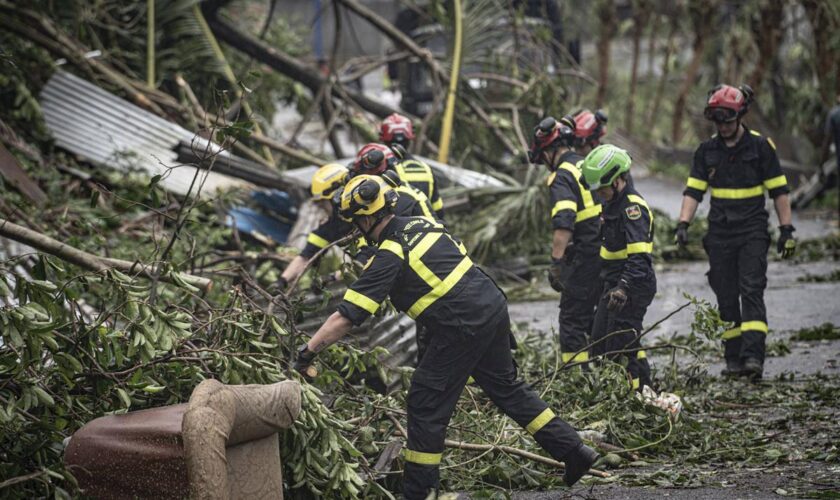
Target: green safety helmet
604,164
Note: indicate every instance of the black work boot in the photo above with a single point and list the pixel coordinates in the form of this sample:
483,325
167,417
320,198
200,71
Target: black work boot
578,463
753,368
734,367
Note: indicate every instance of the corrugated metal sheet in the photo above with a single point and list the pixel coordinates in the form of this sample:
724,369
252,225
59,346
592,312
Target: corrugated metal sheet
106,130
457,176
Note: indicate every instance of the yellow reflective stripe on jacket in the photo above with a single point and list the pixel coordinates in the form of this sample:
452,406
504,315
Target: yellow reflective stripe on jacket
776,182
393,247
641,354
570,357
698,184
422,201
590,208
317,240
421,457
640,247
441,289
636,383
617,255
362,301
563,205
731,333
586,196
437,205
737,193
540,421
588,213
754,326
414,259
413,171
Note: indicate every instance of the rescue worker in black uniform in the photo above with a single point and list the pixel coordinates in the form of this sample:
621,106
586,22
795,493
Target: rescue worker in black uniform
427,274
575,263
397,132
626,254
326,181
379,159
739,165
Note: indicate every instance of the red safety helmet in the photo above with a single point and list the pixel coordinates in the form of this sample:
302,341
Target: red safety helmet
726,103
550,134
590,127
396,128
373,159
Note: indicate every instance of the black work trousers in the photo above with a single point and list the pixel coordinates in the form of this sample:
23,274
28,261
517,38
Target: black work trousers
577,306
437,384
738,276
616,334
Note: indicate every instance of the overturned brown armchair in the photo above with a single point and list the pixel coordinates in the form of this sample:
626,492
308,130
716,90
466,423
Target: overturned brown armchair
222,445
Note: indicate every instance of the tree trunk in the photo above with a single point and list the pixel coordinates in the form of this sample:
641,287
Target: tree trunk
289,66
702,14
90,261
767,33
641,15
666,69
654,32
608,25
825,22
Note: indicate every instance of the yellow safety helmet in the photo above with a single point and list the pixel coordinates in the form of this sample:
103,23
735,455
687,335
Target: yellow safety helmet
327,180
367,195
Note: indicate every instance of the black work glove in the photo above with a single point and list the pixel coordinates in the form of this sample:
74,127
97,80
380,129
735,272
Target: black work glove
556,274
786,246
617,297
279,286
681,234
303,363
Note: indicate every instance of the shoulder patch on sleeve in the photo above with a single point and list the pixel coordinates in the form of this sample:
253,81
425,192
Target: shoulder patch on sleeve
633,212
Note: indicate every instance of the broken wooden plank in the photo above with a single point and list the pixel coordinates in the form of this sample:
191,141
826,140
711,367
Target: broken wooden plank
17,177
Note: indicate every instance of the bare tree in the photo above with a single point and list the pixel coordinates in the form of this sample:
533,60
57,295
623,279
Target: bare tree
767,33
608,25
702,14
641,17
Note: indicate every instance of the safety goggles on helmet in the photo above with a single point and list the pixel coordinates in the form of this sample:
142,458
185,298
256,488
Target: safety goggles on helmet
720,115
549,134
373,159
366,195
590,127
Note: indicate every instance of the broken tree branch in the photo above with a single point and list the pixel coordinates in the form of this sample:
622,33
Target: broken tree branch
287,65
87,260
461,445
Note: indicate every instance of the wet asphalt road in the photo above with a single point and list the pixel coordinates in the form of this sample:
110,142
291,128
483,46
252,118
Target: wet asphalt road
791,304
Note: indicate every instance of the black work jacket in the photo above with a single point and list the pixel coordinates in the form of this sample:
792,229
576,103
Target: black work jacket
410,202
627,241
738,177
428,275
421,177
572,205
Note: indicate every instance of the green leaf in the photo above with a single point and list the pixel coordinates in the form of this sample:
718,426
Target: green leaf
124,397
43,396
